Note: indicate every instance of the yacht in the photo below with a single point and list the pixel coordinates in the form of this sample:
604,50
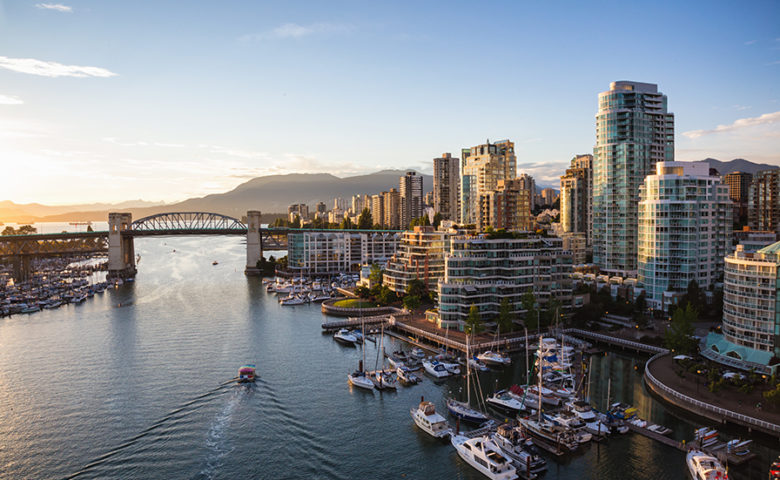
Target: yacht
704,467
406,375
504,401
585,412
477,365
436,369
573,421
512,443
494,359
296,300
429,421
463,411
622,411
482,454
548,431
359,379
384,380
418,352
345,336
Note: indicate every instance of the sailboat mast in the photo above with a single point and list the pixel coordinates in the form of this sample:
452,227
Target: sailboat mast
468,372
540,379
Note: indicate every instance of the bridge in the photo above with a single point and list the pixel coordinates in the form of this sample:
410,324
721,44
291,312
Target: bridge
118,240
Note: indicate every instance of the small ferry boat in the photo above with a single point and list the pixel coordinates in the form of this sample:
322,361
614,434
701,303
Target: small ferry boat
705,467
482,454
246,374
429,421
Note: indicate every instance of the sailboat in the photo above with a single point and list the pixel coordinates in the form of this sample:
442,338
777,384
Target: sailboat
358,378
383,380
463,410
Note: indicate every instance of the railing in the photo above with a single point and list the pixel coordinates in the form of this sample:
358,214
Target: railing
706,406
617,341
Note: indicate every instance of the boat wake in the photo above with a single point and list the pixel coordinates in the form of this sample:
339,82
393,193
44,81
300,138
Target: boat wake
216,441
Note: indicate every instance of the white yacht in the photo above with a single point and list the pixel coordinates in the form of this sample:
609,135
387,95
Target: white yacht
384,380
345,336
548,431
505,402
360,380
704,467
418,352
482,454
494,358
429,421
573,421
585,412
436,369
513,445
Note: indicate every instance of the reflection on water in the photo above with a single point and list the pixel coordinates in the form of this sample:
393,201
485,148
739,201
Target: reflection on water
131,384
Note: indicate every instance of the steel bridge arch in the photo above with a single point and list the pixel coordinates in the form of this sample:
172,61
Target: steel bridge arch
188,221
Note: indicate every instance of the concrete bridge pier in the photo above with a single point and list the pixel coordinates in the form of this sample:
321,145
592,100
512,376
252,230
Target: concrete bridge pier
121,253
254,243
22,268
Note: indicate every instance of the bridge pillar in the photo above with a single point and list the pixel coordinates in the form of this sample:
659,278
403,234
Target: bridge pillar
121,252
254,245
22,268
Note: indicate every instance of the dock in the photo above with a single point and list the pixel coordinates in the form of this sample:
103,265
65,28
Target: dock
354,322
718,450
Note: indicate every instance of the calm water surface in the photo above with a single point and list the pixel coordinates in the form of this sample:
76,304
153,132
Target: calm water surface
132,384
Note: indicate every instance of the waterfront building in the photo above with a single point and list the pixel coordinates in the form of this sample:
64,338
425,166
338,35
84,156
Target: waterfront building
484,269
446,186
331,253
298,209
685,226
764,201
549,196
411,188
483,166
420,255
577,197
634,130
392,209
528,184
505,207
751,312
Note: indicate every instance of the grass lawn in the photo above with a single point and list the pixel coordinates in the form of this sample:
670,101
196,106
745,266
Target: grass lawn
353,303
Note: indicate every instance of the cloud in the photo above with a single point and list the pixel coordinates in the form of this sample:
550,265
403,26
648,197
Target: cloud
51,69
54,6
765,119
294,30
10,100
750,42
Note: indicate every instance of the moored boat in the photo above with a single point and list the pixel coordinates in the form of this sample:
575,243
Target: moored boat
704,467
429,421
504,401
345,337
482,454
494,359
513,444
436,369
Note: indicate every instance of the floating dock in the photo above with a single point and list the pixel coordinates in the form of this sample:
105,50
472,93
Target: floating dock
717,450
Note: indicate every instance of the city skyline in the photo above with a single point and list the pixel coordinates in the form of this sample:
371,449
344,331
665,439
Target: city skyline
98,104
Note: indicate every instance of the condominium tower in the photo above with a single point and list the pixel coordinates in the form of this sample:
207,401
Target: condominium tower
577,197
634,130
411,188
392,209
483,166
446,186
528,184
685,225
764,201
505,207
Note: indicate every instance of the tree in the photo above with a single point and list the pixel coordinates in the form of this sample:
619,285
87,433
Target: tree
26,230
473,321
9,231
417,288
411,302
695,296
679,335
297,222
552,311
504,319
386,296
364,220
362,292
437,220
375,275
641,302
531,319
347,224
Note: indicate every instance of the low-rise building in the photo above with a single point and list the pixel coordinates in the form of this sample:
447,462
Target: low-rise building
331,253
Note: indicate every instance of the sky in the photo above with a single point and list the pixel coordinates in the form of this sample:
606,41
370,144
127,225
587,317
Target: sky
106,101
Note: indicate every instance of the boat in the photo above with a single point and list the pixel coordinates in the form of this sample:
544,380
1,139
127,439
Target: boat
504,401
706,436
429,421
705,467
513,444
345,337
585,412
436,369
246,373
384,380
292,301
463,410
622,411
417,352
659,429
359,379
482,454
774,470
406,375
573,422
215,262
477,365
30,309
494,359
738,446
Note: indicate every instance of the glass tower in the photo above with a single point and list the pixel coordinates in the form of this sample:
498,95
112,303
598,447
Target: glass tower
633,132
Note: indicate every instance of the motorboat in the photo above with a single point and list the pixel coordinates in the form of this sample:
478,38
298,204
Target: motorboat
706,436
463,411
622,411
550,432
215,262
30,309
384,380
406,375
532,392
513,444
359,379
345,337
504,401
494,359
702,466
477,365
572,421
453,368
659,429
585,412
482,454
429,421
246,373
417,352
436,369
774,470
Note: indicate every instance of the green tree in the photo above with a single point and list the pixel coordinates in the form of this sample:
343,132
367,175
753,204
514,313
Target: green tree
386,296
679,335
375,275
695,296
473,321
296,223
531,319
346,224
418,289
437,220
504,320
411,302
364,220
9,231
89,228
362,292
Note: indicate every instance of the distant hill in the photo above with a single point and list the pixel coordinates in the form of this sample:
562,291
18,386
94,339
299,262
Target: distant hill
738,165
27,212
269,194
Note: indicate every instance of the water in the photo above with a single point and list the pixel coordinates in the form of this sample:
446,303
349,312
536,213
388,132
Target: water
132,384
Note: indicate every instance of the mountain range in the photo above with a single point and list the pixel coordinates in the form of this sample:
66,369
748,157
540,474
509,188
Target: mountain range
270,194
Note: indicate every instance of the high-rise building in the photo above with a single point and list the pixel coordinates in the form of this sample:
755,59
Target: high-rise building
764,201
298,210
321,208
685,226
739,184
483,166
482,270
332,253
528,184
411,188
446,186
549,196
505,207
339,203
634,130
420,256
751,312
378,209
577,197
356,204
392,209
